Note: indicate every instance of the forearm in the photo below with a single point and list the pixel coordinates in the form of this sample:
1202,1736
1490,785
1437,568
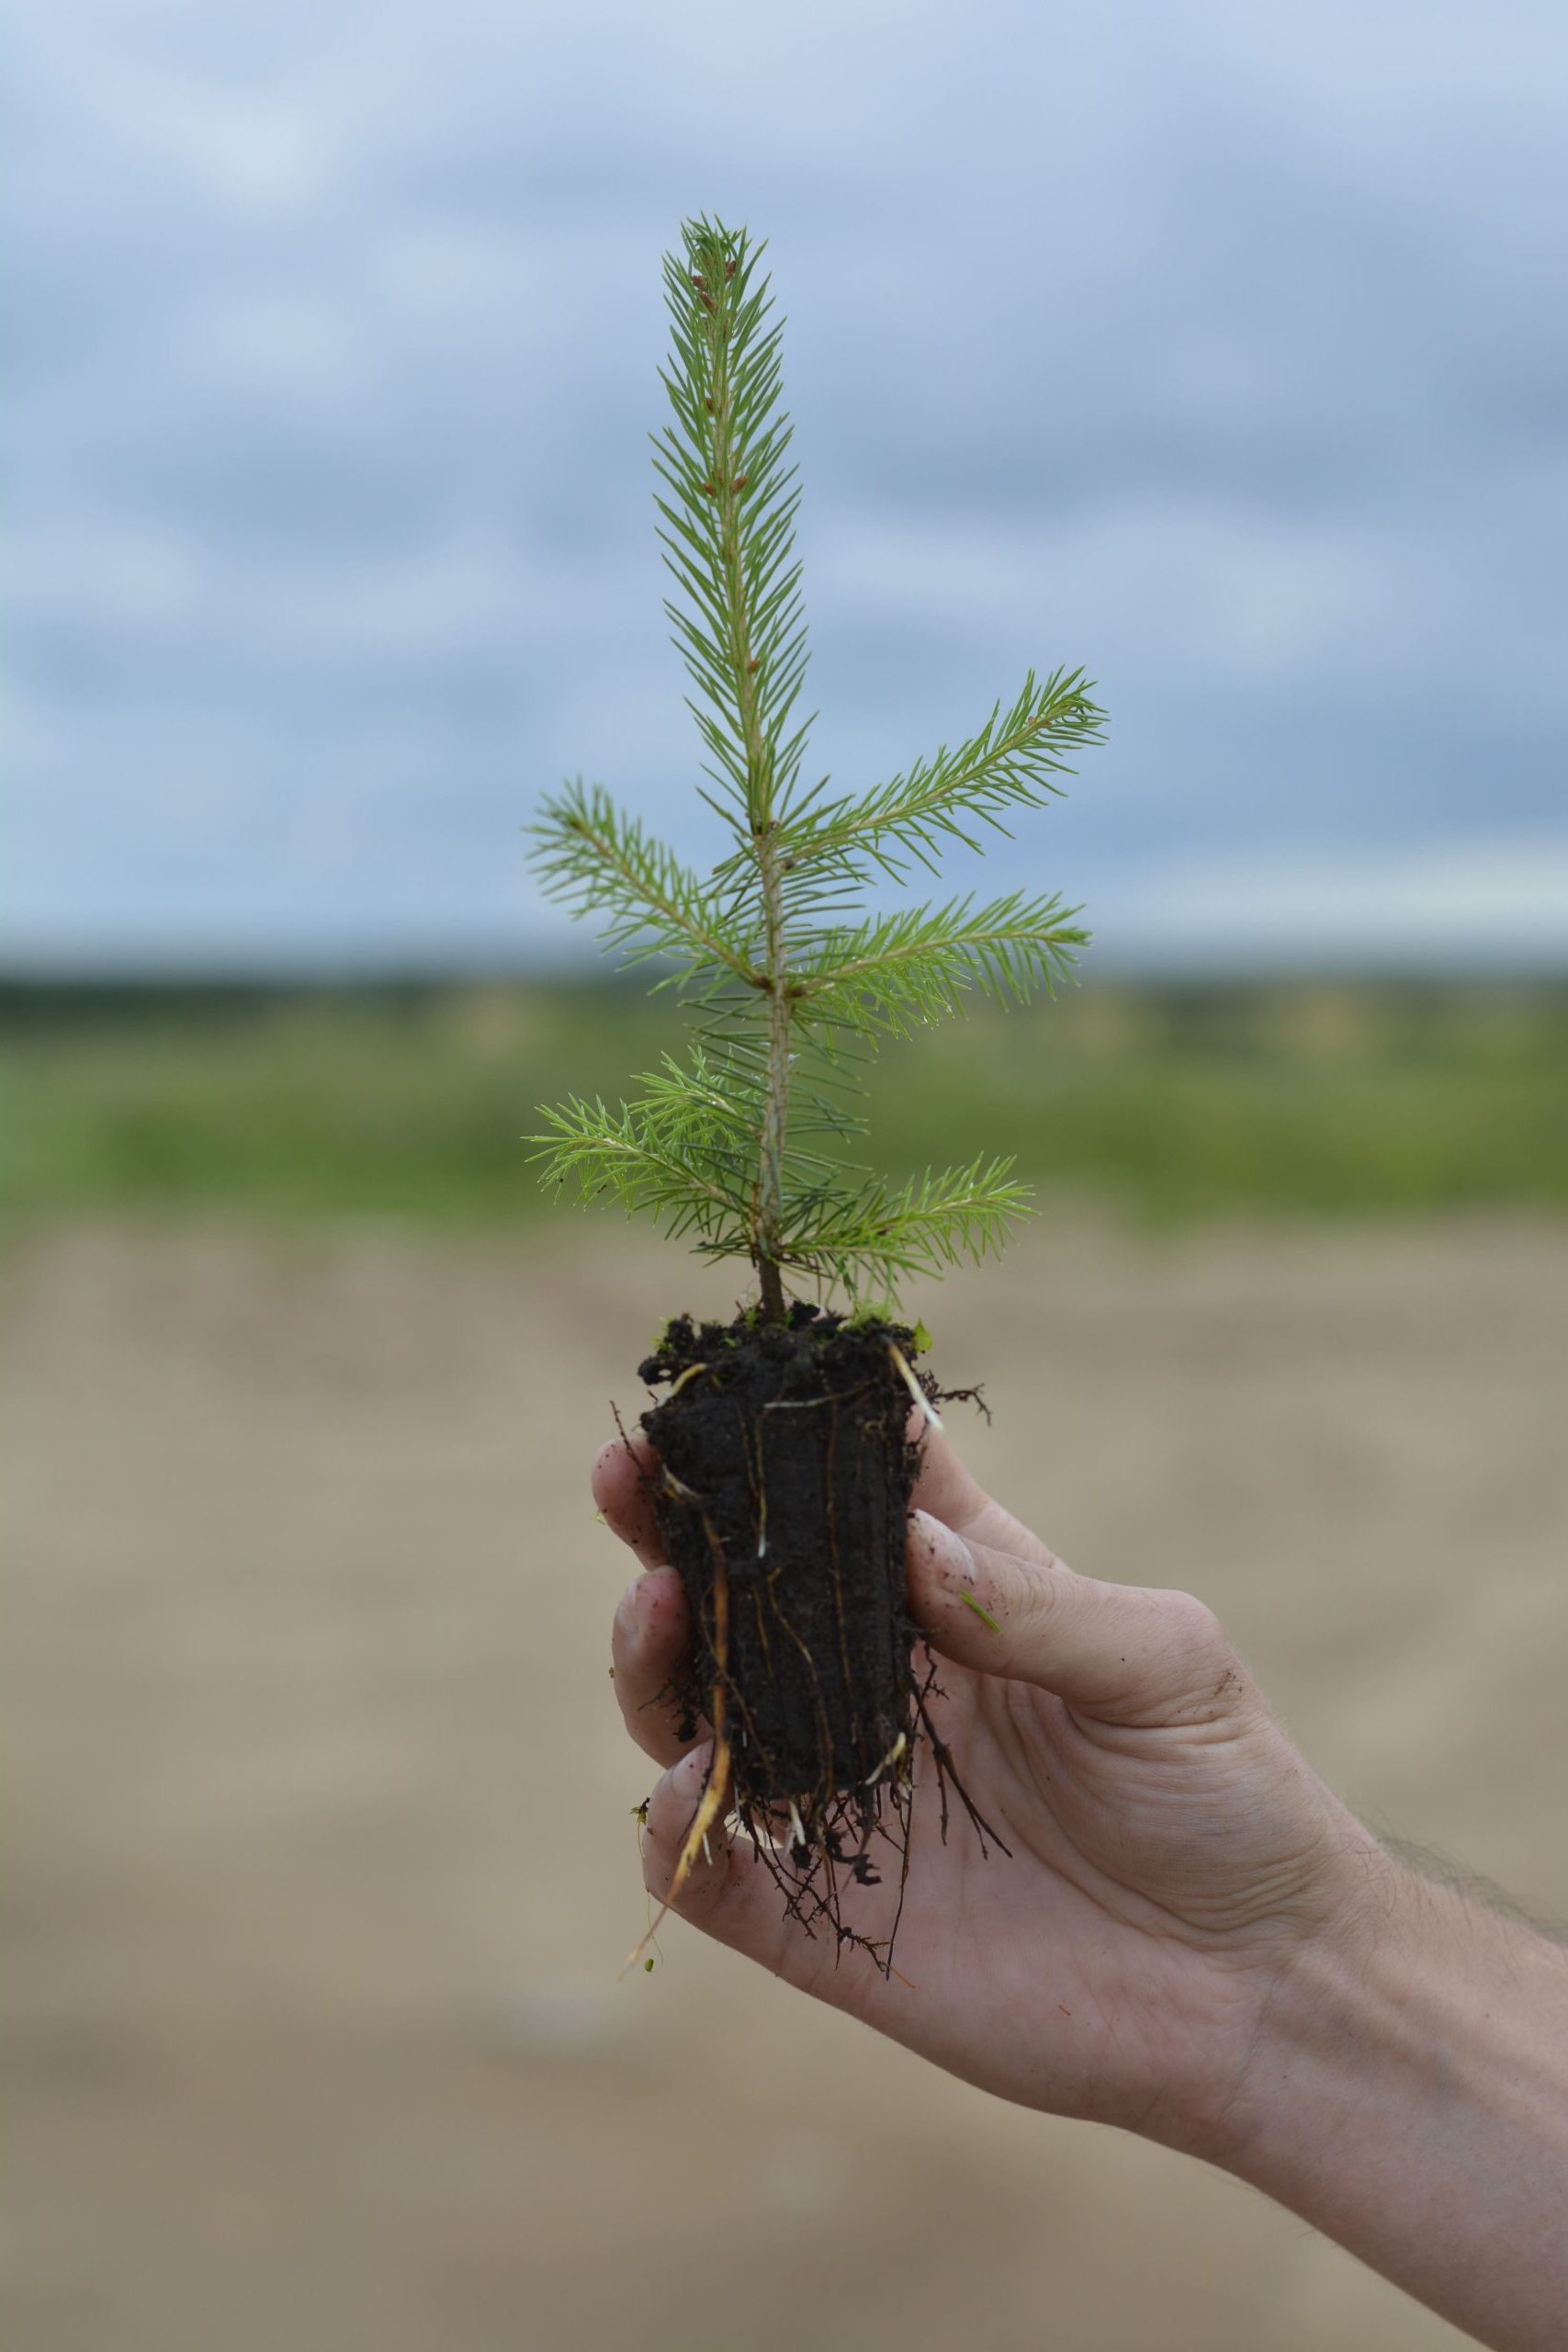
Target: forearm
1408,2095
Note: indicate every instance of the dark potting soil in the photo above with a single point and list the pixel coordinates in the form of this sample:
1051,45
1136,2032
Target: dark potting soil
783,1501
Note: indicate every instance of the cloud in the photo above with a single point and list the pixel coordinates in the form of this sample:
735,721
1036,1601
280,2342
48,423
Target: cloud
1215,347
1467,905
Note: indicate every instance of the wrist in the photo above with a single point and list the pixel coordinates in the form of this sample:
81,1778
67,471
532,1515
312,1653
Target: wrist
1346,2009
1302,1985
1407,2094
1413,1988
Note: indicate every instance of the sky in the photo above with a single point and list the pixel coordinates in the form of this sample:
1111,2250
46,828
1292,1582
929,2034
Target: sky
1220,348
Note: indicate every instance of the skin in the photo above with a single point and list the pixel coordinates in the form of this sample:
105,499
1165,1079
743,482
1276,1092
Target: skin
1194,1938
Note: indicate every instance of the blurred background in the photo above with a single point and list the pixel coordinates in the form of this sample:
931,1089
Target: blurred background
1220,350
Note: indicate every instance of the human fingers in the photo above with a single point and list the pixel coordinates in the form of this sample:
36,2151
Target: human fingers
649,1644
1125,1653
726,1891
622,1480
948,1489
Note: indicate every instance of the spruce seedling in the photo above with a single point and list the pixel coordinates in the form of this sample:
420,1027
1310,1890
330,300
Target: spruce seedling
784,1465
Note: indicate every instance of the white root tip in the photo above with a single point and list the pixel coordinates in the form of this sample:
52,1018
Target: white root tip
933,1418
892,1757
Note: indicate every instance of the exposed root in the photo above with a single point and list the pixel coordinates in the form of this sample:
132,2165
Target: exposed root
975,1396
947,1771
901,1365
716,1793
894,1753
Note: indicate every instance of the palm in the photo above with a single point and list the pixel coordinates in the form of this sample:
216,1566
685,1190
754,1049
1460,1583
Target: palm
1064,1948
1163,1841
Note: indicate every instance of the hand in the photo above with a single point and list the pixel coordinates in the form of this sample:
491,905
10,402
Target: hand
1171,1852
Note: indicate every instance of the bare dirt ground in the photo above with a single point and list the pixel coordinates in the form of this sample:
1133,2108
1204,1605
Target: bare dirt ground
321,1861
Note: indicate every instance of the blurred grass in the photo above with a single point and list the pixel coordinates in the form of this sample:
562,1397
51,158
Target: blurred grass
409,1102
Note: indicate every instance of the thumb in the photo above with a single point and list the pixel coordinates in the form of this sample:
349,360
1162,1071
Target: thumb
1126,1652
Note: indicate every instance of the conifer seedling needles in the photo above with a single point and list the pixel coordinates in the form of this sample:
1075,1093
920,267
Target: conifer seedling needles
745,1146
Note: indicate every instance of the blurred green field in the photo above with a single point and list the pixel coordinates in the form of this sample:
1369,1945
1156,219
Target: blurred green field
1161,1103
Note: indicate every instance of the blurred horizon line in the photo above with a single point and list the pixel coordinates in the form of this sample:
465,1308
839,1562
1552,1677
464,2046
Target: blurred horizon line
372,974
1485,903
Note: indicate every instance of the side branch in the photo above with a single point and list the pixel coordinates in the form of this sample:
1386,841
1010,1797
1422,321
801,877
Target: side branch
1013,762
878,1232
916,965
666,1155
599,861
